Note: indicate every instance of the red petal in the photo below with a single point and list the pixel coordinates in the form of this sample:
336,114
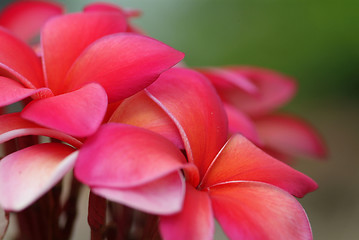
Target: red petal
19,61
273,90
25,18
77,113
139,110
64,38
239,122
195,221
192,103
12,91
29,173
258,211
290,136
4,222
224,78
123,156
242,160
161,196
123,64
13,126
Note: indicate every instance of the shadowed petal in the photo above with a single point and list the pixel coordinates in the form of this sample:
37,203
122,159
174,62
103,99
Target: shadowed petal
4,222
258,211
290,135
64,38
273,90
13,125
123,156
161,196
25,18
192,103
139,110
19,61
123,64
195,221
242,160
239,122
12,91
77,113
29,173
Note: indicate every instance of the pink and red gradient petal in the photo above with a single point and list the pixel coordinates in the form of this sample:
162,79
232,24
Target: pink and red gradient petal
27,174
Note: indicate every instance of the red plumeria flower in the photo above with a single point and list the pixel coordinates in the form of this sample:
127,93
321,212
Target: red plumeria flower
249,192
85,61
251,95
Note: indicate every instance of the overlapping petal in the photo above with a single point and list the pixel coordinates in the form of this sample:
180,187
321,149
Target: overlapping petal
19,61
259,211
12,91
290,136
123,156
122,63
28,173
139,110
242,160
239,122
13,125
192,103
78,113
162,196
64,38
227,79
273,90
25,18
195,221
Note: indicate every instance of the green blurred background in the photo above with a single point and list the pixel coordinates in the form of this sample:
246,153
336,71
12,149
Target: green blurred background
316,42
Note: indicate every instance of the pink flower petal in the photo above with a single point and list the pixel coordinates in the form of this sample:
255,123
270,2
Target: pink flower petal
242,160
77,113
18,60
252,210
29,173
64,38
122,63
123,156
290,135
25,18
4,222
224,78
12,91
192,103
239,122
139,110
13,125
273,90
161,196
195,221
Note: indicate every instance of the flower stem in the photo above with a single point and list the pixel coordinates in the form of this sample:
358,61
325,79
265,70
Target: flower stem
97,216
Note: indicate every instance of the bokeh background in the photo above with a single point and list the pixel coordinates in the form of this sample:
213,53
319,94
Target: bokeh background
314,41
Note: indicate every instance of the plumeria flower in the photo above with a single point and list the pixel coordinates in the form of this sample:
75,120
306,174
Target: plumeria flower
251,96
249,192
87,62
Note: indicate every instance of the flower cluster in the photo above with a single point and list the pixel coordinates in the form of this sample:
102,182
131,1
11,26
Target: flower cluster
96,99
